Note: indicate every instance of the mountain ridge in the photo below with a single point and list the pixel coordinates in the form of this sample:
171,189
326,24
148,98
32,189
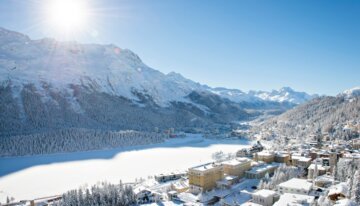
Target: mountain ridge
46,84
120,58
325,117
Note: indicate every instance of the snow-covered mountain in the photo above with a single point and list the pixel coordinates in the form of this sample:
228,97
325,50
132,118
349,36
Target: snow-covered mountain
50,84
351,93
337,116
285,94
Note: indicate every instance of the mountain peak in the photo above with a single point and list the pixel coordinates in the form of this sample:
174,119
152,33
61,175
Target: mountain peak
353,92
286,89
109,69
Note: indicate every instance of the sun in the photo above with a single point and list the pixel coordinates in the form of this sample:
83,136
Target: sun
67,16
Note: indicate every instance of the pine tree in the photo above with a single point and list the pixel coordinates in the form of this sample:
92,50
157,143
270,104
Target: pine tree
355,193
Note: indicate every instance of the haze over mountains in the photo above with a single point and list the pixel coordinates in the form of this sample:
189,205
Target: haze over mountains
46,84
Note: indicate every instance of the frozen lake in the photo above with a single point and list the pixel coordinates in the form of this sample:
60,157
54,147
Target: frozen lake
38,176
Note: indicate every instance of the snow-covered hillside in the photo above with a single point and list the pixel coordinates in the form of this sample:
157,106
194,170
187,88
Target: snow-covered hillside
47,84
106,68
336,116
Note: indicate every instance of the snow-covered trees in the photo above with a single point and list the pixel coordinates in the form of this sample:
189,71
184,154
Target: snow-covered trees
105,194
221,156
72,140
355,188
346,169
320,115
281,174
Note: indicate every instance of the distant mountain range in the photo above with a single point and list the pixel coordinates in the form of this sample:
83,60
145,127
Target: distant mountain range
46,85
338,117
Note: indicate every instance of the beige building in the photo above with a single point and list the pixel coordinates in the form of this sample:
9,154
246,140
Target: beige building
204,177
321,170
301,161
260,171
282,157
236,167
265,156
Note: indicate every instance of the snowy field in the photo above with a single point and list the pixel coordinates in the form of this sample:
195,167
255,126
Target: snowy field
38,176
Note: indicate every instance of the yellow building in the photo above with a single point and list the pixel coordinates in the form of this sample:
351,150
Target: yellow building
204,177
265,156
236,167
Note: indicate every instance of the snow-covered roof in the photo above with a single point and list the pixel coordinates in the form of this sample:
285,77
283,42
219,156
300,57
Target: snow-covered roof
295,157
236,161
340,188
205,167
282,154
319,167
263,167
180,184
295,200
297,184
304,159
265,153
344,202
325,178
264,193
236,198
187,197
250,204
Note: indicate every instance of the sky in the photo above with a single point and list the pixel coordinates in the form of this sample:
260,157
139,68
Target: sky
309,45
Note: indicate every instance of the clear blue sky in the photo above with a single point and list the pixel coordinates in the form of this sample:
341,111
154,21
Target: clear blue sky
309,45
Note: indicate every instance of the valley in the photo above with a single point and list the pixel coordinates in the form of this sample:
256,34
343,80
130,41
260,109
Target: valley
37,176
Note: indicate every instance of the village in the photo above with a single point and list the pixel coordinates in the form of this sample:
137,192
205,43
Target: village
301,174
236,181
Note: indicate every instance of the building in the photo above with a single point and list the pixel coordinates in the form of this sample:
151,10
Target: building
260,171
324,181
265,156
355,143
301,161
304,162
321,170
204,177
180,186
169,176
265,197
295,186
145,195
331,155
227,182
282,157
236,167
295,199
337,192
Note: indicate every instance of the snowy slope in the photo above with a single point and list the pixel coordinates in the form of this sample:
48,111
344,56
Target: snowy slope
47,84
106,68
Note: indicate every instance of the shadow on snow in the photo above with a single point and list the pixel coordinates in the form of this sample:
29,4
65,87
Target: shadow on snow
10,165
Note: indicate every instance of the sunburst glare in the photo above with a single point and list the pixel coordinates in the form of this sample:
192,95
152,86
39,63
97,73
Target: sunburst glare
67,16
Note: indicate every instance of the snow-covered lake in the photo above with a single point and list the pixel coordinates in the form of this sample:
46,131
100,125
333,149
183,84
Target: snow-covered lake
38,176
